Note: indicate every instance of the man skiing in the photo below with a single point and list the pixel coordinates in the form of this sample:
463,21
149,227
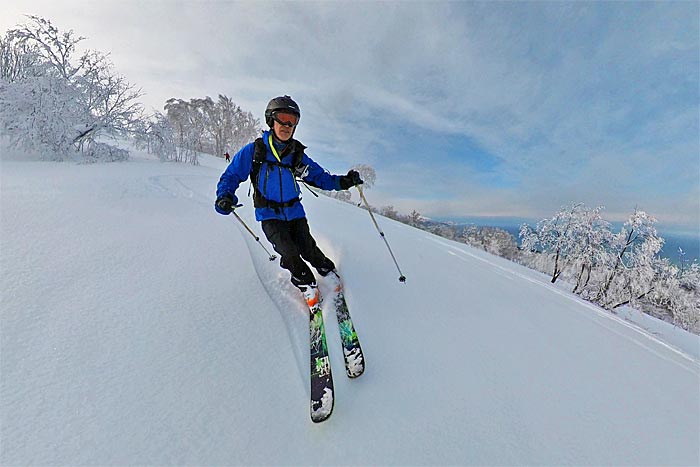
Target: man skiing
274,162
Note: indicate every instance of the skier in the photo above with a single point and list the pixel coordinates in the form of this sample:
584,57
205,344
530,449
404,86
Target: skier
228,157
273,162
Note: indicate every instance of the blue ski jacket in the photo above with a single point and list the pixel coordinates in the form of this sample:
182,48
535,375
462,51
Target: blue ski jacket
275,182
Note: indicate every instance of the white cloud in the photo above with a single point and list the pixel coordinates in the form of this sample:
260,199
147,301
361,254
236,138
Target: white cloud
587,100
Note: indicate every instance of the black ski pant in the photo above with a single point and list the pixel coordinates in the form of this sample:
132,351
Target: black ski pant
293,241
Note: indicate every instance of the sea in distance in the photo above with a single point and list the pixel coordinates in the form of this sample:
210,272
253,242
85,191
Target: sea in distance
674,239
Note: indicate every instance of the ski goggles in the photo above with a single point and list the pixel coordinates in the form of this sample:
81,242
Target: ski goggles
286,119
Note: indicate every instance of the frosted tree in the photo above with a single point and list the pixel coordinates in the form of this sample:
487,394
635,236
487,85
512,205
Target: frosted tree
229,126
617,269
41,113
110,102
675,293
631,259
414,219
58,102
343,195
56,48
243,127
690,277
390,212
38,107
158,136
557,237
687,314
588,247
202,125
18,59
492,239
443,230
188,129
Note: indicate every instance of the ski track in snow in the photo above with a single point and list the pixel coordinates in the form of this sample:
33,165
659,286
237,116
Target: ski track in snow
289,304
273,278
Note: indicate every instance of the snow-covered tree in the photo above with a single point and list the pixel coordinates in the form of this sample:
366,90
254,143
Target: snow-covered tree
158,136
623,268
443,230
492,239
632,253
390,212
57,102
202,125
588,248
414,218
558,237
55,48
41,113
241,127
343,195
110,103
18,59
188,127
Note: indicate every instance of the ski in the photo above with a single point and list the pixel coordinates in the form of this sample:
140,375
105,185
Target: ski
352,352
322,396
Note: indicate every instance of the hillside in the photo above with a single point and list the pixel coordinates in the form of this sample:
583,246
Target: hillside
140,327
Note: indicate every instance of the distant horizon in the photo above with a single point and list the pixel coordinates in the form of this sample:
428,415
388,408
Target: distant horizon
495,221
688,240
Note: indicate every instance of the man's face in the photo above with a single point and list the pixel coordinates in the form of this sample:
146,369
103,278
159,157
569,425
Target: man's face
284,125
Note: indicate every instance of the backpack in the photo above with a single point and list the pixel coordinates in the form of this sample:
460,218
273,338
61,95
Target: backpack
297,168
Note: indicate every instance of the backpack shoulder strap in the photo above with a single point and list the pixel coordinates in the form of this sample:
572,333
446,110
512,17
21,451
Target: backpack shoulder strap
258,158
298,151
260,150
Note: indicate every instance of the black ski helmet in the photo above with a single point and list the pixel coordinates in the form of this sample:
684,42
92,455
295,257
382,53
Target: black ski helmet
281,104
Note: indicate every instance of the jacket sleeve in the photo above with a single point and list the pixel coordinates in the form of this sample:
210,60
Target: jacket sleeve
318,176
237,171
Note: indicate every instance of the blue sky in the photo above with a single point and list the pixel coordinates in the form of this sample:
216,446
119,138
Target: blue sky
463,108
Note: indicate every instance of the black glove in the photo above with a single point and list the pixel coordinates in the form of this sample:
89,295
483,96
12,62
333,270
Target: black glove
225,204
350,180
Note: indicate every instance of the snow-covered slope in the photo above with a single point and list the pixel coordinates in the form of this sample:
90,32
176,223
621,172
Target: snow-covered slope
140,327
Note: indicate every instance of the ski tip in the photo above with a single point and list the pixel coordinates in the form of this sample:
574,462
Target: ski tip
319,416
324,407
317,419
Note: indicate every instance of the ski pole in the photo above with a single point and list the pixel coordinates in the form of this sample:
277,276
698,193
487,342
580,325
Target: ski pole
257,239
402,278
